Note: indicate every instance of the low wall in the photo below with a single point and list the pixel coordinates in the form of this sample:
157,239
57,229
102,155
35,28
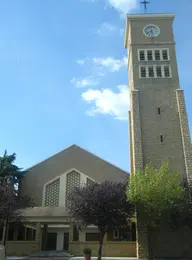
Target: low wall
22,248
111,249
176,244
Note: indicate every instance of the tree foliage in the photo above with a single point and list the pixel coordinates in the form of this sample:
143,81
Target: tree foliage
159,197
159,193
10,171
186,209
11,202
103,205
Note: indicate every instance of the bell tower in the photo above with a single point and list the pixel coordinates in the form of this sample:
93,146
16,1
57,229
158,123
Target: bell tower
159,130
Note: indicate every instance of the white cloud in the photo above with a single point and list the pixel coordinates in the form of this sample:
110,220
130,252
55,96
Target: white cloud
81,62
89,81
123,6
106,27
111,63
107,102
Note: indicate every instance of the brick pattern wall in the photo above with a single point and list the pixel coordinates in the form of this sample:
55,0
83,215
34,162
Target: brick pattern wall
137,164
185,133
52,193
176,244
22,248
147,126
110,249
89,182
130,143
137,155
73,180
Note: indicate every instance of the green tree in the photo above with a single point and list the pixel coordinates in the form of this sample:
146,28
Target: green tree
159,198
186,209
103,205
9,171
11,201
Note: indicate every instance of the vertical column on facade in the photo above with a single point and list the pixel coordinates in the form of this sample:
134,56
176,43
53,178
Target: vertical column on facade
130,143
137,164
71,231
185,133
44,237
136,139
38,235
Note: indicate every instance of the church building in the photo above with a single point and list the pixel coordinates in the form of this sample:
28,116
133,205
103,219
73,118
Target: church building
159,132
158,124
49,226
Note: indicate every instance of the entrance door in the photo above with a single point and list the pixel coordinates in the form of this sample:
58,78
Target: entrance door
51,241
66,241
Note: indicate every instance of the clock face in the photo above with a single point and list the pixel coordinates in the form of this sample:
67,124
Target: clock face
151,31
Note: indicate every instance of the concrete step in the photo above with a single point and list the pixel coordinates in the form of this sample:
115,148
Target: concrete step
51,254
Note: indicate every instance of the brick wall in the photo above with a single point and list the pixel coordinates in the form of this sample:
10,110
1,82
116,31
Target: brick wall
172,244
22,248
185,133
110,249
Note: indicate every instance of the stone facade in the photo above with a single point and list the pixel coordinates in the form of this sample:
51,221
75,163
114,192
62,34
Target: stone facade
74,157
159,130
49,226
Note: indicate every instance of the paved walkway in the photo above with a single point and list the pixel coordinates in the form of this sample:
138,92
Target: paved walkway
15,257
71,258
106,258
51,254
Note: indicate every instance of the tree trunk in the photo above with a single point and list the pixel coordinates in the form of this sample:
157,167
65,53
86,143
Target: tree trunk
102,234
5,236
150,255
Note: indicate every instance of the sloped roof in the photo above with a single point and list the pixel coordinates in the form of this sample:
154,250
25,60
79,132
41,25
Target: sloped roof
74,157
74,146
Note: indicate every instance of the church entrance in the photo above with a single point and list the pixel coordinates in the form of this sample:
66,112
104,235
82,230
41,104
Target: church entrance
51,241
66,242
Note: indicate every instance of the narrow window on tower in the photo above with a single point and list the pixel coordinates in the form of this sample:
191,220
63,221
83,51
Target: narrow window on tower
158,110
157,55
143,72
165,54
149,55
141,55
158,71
151,71
166,71
161,138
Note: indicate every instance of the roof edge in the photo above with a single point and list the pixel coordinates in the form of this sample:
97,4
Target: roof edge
77,146
103,159
146,16
70,146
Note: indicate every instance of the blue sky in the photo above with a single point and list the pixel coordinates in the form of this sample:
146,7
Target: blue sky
63,76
